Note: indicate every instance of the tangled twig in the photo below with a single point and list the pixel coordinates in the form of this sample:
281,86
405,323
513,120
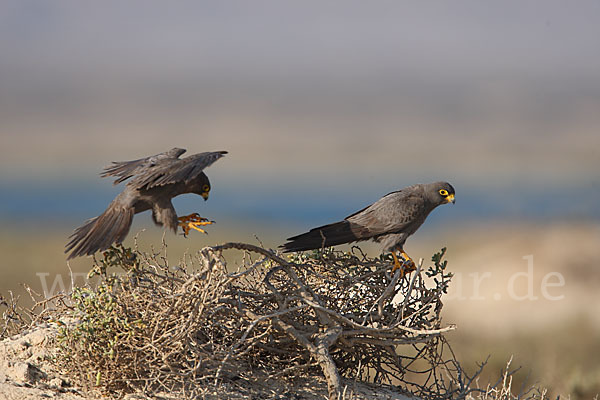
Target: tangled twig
178,328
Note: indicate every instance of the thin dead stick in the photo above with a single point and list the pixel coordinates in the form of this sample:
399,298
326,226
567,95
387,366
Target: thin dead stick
410,288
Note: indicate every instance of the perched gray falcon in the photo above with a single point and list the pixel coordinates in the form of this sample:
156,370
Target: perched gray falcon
155,181
390,220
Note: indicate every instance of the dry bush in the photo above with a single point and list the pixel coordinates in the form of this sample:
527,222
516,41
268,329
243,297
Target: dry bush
184,328
17,318
503,389
197,329
14,317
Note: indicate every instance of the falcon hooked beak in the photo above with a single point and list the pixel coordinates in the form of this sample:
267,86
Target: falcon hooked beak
205,196
450,198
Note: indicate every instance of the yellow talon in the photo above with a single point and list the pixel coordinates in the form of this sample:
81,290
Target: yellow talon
193,221
406,267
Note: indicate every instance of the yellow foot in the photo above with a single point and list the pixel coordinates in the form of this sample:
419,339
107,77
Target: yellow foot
406,267
193,221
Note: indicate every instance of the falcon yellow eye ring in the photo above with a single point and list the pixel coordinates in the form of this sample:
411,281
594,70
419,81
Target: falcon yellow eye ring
206,188
443,192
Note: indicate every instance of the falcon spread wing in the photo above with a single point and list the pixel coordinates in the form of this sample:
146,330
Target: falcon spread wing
173,170
126,169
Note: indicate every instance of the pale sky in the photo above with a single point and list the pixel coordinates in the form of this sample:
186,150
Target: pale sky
507,90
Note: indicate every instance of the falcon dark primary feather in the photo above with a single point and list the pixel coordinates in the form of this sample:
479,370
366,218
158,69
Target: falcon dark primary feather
156,180
323,236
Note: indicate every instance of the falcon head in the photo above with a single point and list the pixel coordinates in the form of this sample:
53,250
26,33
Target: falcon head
201,186
440,192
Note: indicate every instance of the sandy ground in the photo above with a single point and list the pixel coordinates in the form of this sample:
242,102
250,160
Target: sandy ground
25,372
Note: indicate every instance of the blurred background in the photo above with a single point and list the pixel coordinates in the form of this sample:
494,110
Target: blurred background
325,107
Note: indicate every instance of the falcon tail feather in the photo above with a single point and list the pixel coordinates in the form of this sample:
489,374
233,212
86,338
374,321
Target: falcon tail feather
99,233
323,236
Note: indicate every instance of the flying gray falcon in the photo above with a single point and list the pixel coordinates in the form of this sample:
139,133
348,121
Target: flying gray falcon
390,221
155,180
